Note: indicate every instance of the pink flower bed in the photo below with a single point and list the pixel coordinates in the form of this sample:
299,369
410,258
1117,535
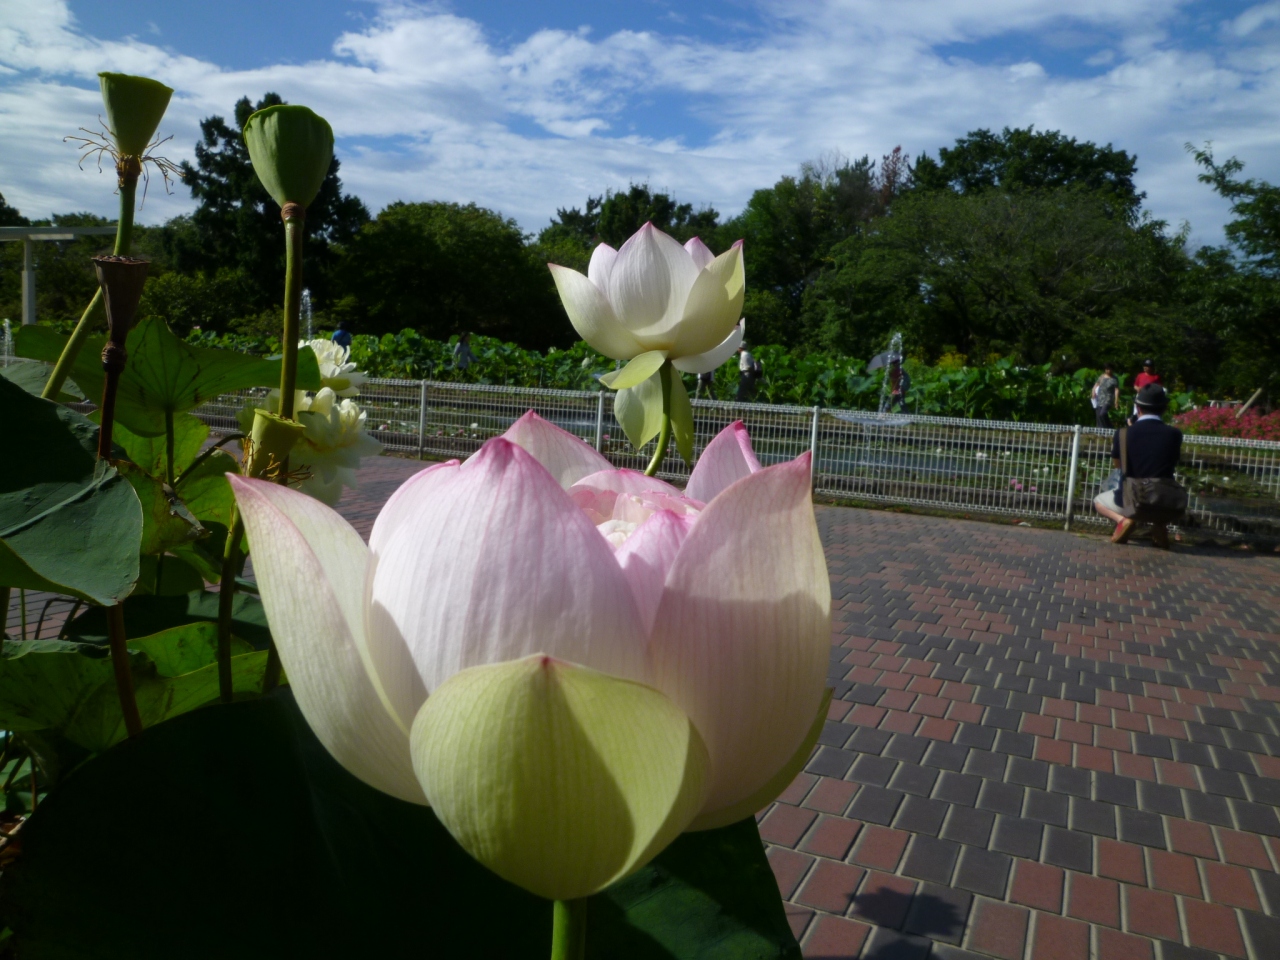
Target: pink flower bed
1222,422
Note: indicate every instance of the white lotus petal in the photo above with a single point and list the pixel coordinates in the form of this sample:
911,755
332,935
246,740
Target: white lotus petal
602,260
743,631
714,305
591,315
649,284
725,460
310,568
495,563
565,456
700,252
712,359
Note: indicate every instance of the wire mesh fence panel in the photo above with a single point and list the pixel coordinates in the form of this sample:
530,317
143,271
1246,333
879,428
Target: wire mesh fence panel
778,433
392,413
458,417
988,467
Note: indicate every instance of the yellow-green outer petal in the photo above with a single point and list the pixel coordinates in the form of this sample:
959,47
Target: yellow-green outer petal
135,106
638,410
291,148
556,777
637,370
714,819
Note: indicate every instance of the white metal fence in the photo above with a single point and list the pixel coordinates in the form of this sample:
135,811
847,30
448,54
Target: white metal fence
1022,470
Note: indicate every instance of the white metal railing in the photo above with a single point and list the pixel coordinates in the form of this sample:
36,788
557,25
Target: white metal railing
985,467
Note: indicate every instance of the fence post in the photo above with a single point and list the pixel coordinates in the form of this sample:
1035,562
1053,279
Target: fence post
813,448
422,419
599,420
1071,475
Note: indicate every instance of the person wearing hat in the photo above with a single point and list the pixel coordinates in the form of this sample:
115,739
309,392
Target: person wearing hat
749,371
1153,450
1148,375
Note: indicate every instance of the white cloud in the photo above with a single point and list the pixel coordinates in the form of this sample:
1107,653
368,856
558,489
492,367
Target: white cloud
427,105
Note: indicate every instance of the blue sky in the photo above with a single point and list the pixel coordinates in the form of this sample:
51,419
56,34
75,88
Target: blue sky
525,107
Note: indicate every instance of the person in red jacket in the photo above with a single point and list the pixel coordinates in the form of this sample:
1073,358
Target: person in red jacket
1148,375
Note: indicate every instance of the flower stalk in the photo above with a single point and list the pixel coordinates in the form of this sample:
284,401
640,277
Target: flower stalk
120,281
569,930
295,218
664,434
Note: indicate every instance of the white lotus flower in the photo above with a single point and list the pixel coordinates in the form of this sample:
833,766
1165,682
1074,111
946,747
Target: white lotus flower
336,372
333,440
680,303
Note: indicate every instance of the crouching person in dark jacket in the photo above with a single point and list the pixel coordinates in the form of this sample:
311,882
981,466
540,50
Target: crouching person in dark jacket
1145,451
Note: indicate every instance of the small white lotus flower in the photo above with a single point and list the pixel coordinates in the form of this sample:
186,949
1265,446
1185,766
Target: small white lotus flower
336,372
332,444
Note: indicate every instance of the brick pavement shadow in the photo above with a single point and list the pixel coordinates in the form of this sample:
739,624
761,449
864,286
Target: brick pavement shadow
916,916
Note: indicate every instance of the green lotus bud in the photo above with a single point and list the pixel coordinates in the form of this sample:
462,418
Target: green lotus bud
134,108
290,147
270,441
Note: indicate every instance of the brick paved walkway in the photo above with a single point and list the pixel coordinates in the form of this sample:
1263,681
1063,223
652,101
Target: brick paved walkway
1042,747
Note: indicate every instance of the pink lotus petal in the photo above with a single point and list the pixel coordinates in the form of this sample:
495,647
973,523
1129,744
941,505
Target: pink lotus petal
728,457
700,252
564,455
310,567
743,630
647,555
494,563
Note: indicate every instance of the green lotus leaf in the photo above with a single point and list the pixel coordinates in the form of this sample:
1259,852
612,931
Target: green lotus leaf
69,523
135,106
291,148
556,777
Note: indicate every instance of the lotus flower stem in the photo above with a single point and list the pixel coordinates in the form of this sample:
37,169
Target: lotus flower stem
226,596
120,666
569,930
169,476
294,216
664,435
128,180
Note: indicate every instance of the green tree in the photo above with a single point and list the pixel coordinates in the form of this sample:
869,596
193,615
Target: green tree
1237,288
445,269
1027,158
790,228
1038,275
237,225
9,216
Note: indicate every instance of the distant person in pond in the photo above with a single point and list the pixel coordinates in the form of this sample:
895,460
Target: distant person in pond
899,384
1151,450
1106,396
462,355
706,385
342,336
1148,375
750,370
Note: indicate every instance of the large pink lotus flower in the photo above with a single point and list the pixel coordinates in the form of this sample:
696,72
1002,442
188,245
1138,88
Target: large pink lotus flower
571,663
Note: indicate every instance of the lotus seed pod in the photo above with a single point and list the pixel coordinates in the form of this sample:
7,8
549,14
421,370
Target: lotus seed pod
134,108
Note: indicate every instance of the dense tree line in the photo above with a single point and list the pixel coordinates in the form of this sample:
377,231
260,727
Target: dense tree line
1022,244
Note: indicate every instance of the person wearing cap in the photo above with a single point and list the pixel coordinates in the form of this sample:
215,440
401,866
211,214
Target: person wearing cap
1154,448
1148,375
749,371
899,384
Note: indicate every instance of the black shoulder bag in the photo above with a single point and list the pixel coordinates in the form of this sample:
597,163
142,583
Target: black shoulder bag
1150,499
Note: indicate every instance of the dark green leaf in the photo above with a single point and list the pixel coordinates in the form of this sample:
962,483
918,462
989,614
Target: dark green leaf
145,615
235,799
68,523
165,373
32,377
180,650
166,520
